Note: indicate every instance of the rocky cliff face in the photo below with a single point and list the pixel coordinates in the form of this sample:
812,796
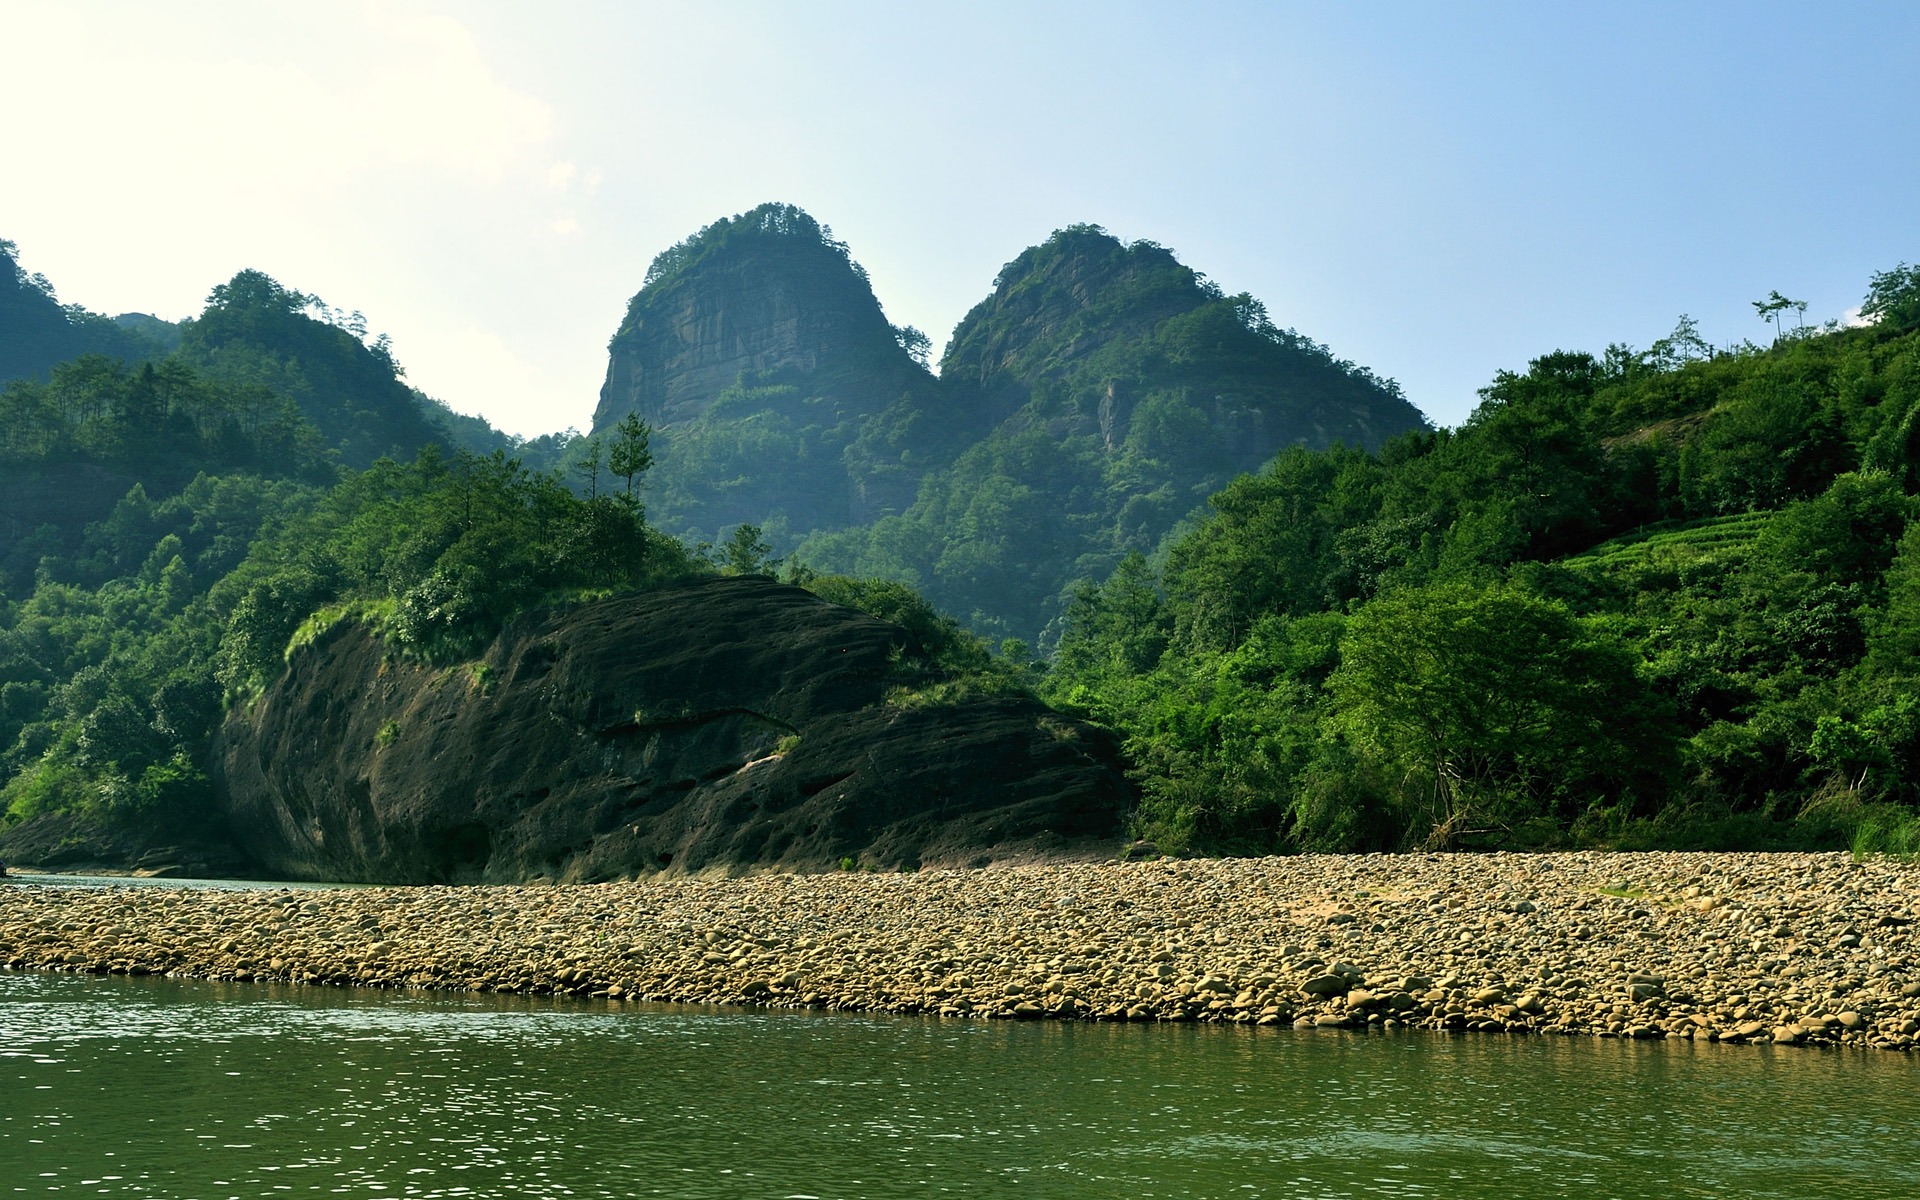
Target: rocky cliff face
1095,399
767,297
728,724
756,350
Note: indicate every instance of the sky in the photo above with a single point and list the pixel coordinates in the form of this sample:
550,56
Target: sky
1438,192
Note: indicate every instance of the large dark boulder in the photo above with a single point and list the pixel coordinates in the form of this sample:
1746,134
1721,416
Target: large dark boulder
725,725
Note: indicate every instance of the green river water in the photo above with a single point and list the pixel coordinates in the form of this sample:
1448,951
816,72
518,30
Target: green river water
146,1087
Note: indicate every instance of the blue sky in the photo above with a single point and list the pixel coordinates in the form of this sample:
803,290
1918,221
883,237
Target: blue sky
1437,191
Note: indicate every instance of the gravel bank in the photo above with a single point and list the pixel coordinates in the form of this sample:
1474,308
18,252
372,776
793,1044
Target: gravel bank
1781,948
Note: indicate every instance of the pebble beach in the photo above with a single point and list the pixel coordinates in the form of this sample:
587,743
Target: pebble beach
1781,949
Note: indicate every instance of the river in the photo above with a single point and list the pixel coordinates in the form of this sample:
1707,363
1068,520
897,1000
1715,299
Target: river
155,1087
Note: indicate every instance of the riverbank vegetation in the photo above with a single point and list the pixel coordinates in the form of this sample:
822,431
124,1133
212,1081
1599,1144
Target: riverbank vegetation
1647,598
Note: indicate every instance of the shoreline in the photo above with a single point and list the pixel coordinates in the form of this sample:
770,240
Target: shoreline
1802,949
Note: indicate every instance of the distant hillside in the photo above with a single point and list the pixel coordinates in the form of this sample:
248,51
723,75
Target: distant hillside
1123,341
37,332
164,334
257,337
255,331
476,435
107,413
1096,398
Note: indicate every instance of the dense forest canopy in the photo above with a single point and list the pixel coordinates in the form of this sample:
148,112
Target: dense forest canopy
160,419
780,224
1650,598
266,381
165,515
256,332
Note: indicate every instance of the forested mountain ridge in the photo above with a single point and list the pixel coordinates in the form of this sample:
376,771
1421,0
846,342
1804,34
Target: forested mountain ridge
1116,324
37,331
272,353
256,333
1640,598
1093,400
1100,394
133,491
266,381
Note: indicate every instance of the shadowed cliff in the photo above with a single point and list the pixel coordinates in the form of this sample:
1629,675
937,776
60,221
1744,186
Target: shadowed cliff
728,724
757,351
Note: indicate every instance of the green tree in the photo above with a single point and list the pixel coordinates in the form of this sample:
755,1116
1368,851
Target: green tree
1493,706
1893,299
631,454
1845,535
917,344
1269,547
1894,642
587,466
1774,307
1115,629
1682,346
745,552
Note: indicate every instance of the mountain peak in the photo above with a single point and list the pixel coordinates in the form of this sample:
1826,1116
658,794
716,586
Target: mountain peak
764,297
1096,397
768,224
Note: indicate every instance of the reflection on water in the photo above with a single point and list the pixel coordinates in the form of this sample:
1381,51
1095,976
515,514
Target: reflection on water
114,1086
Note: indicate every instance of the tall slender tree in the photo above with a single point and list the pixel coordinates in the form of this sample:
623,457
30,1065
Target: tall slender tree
588,467
631,453
1773,306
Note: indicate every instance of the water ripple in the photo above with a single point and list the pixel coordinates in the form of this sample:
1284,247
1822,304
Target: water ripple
143,1087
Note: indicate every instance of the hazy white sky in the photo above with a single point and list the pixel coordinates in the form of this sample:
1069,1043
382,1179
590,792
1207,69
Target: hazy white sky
1437,191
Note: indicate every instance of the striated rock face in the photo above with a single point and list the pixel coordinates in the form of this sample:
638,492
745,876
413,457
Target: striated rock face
764,297
727,724
758,353
84,844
